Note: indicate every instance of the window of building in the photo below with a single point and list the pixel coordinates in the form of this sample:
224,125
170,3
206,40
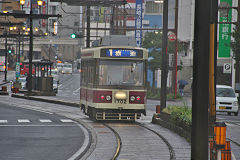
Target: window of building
152,7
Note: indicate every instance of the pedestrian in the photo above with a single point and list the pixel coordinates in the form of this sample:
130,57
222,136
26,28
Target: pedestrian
181,89
182,84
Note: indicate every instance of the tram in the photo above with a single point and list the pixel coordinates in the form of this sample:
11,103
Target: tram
113,80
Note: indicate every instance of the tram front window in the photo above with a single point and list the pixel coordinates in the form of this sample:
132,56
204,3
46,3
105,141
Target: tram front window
128,73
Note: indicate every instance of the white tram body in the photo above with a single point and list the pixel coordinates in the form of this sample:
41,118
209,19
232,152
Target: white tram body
113,80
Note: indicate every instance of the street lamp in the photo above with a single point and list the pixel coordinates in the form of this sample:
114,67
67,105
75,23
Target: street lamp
22,2
30,46
40,3
158,1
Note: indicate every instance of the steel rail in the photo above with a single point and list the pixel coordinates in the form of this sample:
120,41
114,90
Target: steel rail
171,151
119,142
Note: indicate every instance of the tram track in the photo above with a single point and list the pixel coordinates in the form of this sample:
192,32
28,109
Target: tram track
171,151
118,139
114,127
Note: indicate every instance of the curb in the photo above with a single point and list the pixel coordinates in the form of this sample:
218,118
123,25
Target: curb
173,127
47,100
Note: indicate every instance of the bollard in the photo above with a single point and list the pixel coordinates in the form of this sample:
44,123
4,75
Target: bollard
157,108
226,152
220,134
4,88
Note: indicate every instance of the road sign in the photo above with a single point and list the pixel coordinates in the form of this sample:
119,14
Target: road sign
172,36
17,69
227,68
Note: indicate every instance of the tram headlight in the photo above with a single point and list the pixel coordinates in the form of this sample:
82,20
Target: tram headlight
120,95
108,98
132,98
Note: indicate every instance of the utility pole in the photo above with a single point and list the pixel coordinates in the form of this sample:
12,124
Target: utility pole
175,60
6,55
200,96
164,68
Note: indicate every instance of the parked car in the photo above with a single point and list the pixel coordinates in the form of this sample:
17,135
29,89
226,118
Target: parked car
226,100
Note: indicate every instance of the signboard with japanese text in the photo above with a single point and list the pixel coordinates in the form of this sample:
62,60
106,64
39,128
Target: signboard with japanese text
121,53
138,22
225,30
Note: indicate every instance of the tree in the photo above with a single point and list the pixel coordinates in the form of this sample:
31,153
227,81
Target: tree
235,45
153,42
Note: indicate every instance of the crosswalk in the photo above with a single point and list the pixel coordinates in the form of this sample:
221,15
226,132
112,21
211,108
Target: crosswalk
20,121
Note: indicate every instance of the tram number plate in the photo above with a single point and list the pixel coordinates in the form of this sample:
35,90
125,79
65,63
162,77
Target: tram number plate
122,101
222,107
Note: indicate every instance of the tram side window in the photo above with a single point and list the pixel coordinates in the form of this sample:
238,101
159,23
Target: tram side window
84,73
90,72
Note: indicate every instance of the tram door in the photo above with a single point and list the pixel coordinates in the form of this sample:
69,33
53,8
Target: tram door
90,82
83,84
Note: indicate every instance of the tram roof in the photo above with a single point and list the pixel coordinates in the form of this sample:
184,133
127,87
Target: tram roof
95,51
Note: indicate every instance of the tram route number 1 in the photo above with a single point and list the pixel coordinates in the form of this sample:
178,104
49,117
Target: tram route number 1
122,101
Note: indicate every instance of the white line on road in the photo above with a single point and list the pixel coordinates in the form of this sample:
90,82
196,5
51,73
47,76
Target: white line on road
15,125
3,121
77,90
34,109
23,121
229,124
45,120
66,120
85,143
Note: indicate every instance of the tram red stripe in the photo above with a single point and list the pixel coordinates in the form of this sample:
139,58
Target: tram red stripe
142,96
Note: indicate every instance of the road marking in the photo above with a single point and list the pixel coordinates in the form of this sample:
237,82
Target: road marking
23,121
3,121
15,125
84,145
233,156
77,90
45,120
229,124
66,120
34,109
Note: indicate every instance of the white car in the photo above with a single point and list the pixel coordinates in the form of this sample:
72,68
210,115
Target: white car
226,100
54,74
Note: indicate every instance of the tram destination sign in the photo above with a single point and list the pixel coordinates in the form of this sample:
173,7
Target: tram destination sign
121,53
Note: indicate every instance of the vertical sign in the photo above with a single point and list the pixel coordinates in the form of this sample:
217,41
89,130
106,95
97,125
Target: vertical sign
138,23
17,69
225,30
44,6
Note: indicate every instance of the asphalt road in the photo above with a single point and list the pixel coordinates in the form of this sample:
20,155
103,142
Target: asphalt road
69,86
33,135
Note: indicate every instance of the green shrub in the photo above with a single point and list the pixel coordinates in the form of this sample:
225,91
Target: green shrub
181,114
172,96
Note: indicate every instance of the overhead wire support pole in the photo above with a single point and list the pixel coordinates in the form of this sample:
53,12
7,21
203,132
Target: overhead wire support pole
88,27
164,67
200,96
6,56
30,52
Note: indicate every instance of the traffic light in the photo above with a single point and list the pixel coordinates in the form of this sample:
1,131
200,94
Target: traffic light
79,35
9,50
73,35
